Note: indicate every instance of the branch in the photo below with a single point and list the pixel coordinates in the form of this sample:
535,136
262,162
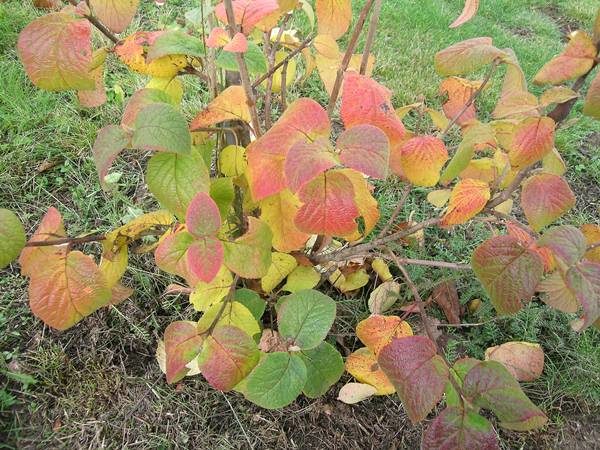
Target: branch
285,60
473,97
370,36
397,210
228,298
68,240
99,25
592,246
347,56
505,194
429,263
243,69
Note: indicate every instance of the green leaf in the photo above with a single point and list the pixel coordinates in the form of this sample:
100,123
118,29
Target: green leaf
417,372
458,372
138,101
249,256
255,60
223,193
252,301
176,43
455,428
111,141
12,237
490,385
174,179
324,367
161,127
306,317
227,357
302,277
276,381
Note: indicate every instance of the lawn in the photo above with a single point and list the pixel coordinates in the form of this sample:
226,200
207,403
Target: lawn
98,385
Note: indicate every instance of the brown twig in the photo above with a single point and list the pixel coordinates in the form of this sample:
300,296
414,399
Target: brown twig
273,69
283,92
228,298
592,246
68,240
505,194
507,218
472,98
397,210
370,36
243,69
348,55
430,263
99,25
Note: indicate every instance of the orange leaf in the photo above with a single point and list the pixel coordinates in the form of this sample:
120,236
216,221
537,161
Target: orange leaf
115,14
576,60
422,159
231,104
278,211
377,331
533,138
544,198
238,44
467,199
333,17
33,258
459,91
218,37
468,12
362,365
524,360
592,236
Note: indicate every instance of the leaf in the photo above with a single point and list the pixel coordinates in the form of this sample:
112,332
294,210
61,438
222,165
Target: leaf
591,106
455,428
175,42
368,207
277,380
171,255
592,236
301,278
96,97
232,161
33,259
350,282
182,344
459,91
252,301
174,179
352,393
468,12
238,44
248,13
377,111
12,237
205,257
203,217
282,264
228,356
489,385
467,199
324,367
116,14
328,206
508,271
545,198
524,360
382,270
231,104
249,256
234,314
56,52
333,17
418,373
223,193
305,317
466,57
422,158
553,163
363,366
566,242
383,297
111,141
558,294
446,296
161,358
254,57
305,161
172,87
576,60
377,331
67,288
278,212
532,140
439,197
303,119
557,94
205,294
365,148
161,127
138,101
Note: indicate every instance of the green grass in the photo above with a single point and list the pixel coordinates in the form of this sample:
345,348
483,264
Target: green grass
98,384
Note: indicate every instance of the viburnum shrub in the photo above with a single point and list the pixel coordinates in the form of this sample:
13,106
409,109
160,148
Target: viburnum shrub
258,215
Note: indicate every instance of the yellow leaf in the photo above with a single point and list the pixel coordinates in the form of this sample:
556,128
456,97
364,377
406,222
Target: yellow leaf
231,104
353,281
290,73
505,207
282,264
234,314
439,197
278,211
232,161
440,121
206,295
362,365
114,267
302,277
553,163
381,269
170,86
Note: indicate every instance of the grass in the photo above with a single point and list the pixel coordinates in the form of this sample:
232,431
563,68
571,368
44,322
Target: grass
98,385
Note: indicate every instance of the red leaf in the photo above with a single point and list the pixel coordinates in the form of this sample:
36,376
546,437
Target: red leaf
446,296
545,197
533,139
365,148
307,160
218,37
247,13
238,44
468,12
203,217
205,257
328,206
458,429
182,344
418,373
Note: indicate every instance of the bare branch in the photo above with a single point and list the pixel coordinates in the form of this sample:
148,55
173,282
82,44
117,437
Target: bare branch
397,210
99,25
370,36
285,60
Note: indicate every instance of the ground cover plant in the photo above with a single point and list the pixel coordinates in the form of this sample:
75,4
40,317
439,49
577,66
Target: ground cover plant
275,191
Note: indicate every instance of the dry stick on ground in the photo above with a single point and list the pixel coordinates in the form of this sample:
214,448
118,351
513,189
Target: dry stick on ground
473,97
243,69
364,63
99,25
397,210
347,56
272,70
